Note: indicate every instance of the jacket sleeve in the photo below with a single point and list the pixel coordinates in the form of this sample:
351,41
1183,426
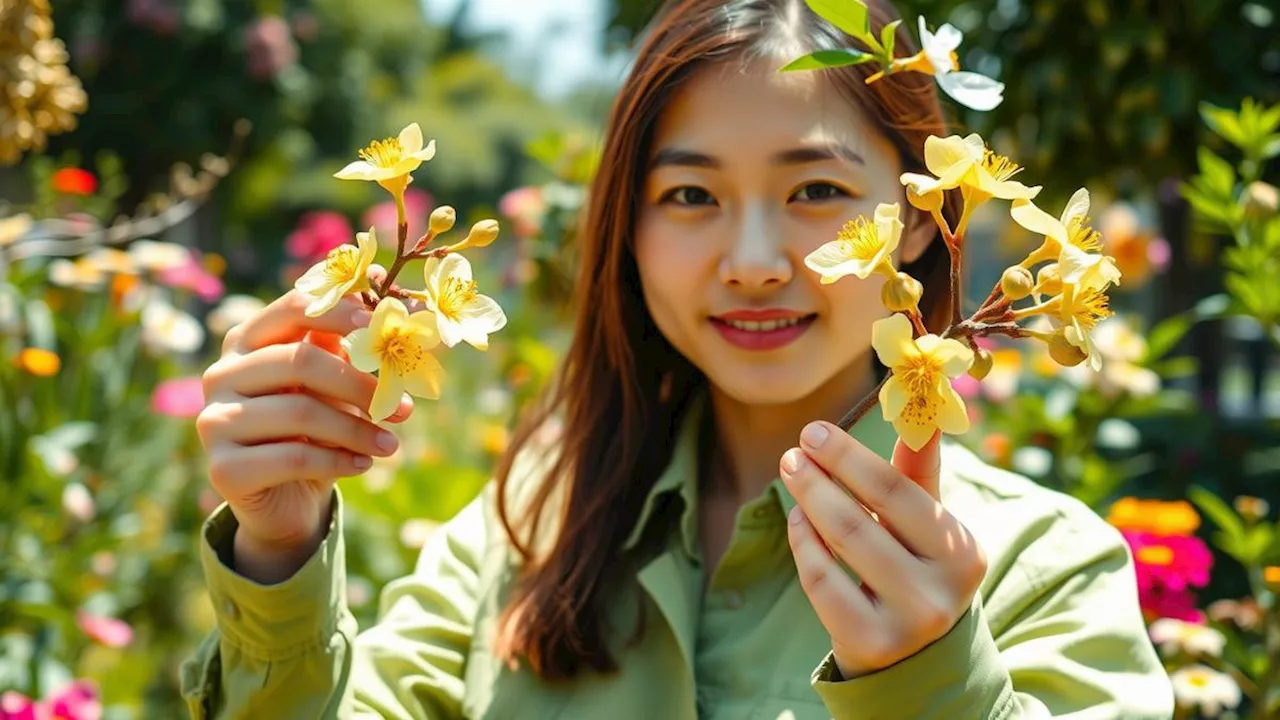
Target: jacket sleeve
1060,636
291,650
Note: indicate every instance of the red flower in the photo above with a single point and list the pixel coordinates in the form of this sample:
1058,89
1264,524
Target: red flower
1171,562
316,234
74,181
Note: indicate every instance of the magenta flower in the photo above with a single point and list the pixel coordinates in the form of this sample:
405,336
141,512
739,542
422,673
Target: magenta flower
316,234
16,706
192,276
180,398
105,630
1156,602
77,701
1170,562
526,207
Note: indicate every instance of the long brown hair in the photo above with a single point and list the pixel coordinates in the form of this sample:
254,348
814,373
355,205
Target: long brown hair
622,387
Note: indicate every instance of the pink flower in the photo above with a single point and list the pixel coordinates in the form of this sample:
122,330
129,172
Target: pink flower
192,276
1157,603
105,630
270,47
1169,562
382,217
966,386
317,233
16,706
180,398
77,701
525,207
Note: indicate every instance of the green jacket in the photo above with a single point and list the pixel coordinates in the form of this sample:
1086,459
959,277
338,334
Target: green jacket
1055,632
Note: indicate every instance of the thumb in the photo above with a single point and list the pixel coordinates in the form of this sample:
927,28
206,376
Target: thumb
923,466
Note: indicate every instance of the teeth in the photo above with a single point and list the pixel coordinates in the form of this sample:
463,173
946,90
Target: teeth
765,326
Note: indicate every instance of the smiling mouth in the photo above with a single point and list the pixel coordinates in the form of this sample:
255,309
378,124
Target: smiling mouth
765,325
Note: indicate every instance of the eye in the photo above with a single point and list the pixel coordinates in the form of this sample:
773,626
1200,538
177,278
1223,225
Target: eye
687,195
818,192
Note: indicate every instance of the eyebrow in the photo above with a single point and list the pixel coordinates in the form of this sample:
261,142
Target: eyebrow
679,157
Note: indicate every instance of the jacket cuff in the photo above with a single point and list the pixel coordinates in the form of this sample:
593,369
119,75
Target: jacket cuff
959,676
275,622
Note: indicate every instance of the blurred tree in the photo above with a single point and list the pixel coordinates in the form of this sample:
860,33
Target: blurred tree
1097,91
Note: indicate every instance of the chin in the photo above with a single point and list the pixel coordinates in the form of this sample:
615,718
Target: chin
775,386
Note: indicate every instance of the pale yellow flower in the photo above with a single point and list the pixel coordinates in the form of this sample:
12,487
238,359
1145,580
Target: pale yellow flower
949,159
1122,349
112,260
861,247
993,178
387,161
918,397
345,270
1077,312
1174,636
76,274
13,228
1070,241
155,256
398,347
462,314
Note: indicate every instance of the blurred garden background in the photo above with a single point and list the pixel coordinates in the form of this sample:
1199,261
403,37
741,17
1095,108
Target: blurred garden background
166,167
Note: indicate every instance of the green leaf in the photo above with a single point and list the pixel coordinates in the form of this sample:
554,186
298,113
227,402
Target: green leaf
828,59
1219,512
888,38
1217,174
1165,335
1271,147
1223,122
848,15
1255,544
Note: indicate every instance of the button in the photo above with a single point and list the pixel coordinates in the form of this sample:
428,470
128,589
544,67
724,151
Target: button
733,599
230,610
761,513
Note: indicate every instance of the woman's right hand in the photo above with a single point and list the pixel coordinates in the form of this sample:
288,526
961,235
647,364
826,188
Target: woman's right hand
285,416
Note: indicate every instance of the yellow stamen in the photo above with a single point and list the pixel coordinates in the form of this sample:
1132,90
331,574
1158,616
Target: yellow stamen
859,239
455,295
920,375
1083,236
341,263
1089,308
383,153
1000,167
401,350
1155,555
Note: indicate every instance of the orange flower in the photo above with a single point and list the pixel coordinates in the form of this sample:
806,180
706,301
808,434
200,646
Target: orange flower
74,181
1271,575
39,362
1158,517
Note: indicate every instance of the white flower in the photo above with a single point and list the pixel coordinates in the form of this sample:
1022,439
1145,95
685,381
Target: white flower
1205,688
165,328
344,271
233,310
967,88
387,160
1178,635
154,256
462,314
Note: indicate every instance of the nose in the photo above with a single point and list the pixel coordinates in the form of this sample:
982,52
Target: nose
756,258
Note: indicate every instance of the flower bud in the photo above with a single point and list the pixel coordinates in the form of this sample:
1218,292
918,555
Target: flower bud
1260,200
982,362
442,219
1252,509
1049,281
482,234
901,293
1063,352
1016,282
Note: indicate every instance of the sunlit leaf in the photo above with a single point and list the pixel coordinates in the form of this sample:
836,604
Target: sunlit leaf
1219,512
848,15
823,59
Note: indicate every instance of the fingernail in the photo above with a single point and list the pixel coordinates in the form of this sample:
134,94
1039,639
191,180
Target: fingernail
387,441
363,462
814,435
792,461
361,317
795,516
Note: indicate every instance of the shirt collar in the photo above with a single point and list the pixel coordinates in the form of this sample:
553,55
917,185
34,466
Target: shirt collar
681,474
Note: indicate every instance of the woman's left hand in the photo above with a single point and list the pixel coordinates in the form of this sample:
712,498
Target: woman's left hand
919,566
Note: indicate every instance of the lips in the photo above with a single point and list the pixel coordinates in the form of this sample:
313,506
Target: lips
762,329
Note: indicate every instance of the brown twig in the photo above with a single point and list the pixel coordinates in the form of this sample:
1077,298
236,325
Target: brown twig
864,406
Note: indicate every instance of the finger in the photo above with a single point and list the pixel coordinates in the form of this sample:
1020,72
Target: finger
238,471
899,502
301,366
285,320
848,530
273,418
836,597
923,466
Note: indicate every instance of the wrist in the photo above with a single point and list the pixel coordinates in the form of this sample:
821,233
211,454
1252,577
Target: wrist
270,562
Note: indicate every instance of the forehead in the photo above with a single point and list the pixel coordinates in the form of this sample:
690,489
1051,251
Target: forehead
753,106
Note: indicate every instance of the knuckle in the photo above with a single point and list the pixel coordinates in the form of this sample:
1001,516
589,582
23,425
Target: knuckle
231,340
299,410
933,618
296,459
815,580
303,360
849,525
888,485
878,648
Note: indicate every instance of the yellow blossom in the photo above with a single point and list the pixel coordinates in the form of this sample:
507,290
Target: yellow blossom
949,159
462,314
388,162
1070,241
398,346
1077,311
861,248
13,228
38,362
993,178
77,274
1159,517
345,270
918,398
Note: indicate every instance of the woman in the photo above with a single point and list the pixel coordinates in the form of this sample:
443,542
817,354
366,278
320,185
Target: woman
679,551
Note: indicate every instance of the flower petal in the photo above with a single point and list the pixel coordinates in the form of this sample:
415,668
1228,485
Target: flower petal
972,90
480,317
831,262
456,265
951,354
451,332
425,326
386,396
314,281
426,153
913,433
358,170
328,301
949,37
1031,217
893,397
892,340
1077,207
944,155
411,139
920,184
426,379
888,221
360,345
952,418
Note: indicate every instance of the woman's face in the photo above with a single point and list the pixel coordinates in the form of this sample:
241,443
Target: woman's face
751,171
